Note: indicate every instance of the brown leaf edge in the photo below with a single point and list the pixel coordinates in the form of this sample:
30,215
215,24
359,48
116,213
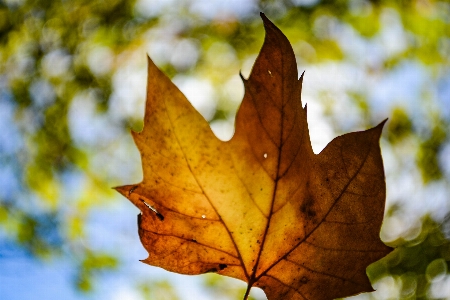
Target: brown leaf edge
379,127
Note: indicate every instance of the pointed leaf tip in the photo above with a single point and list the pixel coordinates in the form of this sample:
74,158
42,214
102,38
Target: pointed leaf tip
242,76
264,18
124,189
269,24
261,207
379,127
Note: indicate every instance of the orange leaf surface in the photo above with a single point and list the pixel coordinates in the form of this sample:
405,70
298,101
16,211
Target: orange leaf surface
261,207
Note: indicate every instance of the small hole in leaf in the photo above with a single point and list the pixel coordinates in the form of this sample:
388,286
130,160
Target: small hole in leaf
132,190
265,155
203,216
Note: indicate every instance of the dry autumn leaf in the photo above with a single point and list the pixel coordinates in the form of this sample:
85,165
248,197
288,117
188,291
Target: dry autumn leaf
261,207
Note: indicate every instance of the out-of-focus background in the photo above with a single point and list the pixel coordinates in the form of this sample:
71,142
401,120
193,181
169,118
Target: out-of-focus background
72,85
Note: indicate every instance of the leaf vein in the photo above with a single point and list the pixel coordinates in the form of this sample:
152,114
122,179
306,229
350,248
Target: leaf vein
323,273
206,196
289,286
190,241
344,250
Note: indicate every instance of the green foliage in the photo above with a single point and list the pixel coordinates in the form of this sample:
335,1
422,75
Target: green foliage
399,126
417,262
91,265
427,156
159,289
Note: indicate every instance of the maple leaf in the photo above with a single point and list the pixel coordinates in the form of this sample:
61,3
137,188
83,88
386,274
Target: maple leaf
261,207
